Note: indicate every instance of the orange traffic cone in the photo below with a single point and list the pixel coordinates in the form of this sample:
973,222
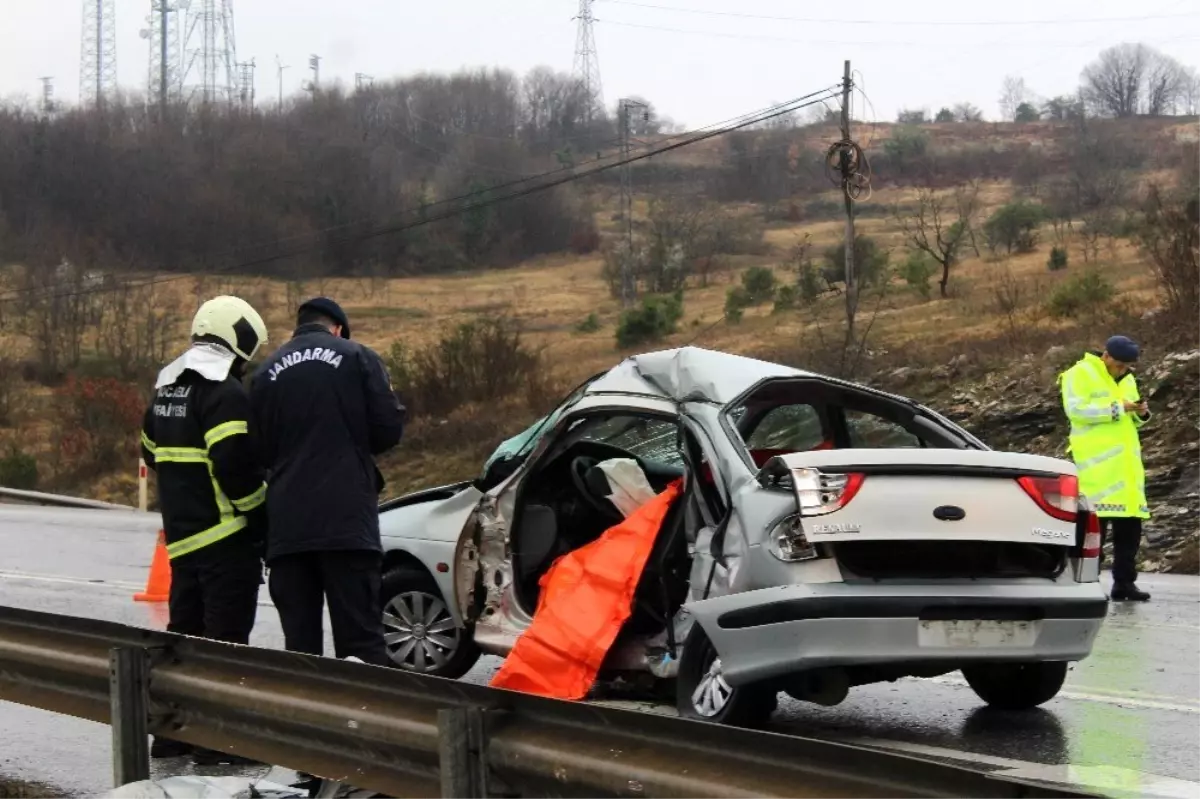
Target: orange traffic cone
158,585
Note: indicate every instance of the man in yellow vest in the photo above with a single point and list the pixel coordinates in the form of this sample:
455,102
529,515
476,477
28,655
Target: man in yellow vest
1100,396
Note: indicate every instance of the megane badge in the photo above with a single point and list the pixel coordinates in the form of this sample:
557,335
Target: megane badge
818,529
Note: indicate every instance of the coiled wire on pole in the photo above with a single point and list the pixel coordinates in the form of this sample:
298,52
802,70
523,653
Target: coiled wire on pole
847,166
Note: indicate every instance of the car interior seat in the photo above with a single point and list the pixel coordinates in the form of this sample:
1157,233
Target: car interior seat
537,539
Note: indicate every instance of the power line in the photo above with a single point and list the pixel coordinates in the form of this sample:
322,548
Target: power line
824,42
778,110
912,22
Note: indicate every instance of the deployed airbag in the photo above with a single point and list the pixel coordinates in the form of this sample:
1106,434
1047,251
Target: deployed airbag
628,484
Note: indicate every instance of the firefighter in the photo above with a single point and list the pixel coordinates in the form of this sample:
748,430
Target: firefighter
1100,396
323,408
196,438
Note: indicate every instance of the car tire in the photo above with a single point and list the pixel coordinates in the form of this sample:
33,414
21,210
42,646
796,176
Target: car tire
1016,686
701,693
419,631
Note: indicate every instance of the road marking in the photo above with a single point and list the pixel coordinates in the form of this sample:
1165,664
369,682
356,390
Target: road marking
116,585
1151,625
1108,697
50,578
1105,780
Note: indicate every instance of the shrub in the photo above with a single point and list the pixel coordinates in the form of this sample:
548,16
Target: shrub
657,317
786,299
478,361
590,324
585,239
1013,227
870,262
1170,237
737,300
1086,295
1058,259
917,270
100,421
759,284
18,470
809,282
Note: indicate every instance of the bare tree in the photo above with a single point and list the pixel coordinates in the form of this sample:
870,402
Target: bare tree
1131,79
941,226
1012,94
966,112
1189,93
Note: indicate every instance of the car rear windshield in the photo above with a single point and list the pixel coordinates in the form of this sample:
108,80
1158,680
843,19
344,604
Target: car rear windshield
802,415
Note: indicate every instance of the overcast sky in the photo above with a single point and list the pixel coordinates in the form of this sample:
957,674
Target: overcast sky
699,61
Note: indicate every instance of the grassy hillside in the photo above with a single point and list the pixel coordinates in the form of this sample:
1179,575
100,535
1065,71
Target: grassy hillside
550,321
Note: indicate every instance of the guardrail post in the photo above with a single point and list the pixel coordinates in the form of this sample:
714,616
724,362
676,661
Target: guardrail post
129,673
461,753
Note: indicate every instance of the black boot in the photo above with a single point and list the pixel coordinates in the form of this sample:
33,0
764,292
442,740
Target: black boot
1128,592
165,747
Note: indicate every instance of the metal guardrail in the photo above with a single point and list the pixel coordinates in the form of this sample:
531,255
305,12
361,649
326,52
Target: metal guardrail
57,500
402,734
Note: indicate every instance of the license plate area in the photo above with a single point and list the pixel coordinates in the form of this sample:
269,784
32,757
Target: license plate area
977,633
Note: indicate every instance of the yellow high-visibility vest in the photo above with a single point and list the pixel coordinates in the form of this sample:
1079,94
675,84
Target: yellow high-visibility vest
1104,440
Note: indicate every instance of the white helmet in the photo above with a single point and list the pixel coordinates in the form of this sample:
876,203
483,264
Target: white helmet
233,321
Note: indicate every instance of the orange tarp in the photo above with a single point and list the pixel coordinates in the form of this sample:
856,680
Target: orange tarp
586,596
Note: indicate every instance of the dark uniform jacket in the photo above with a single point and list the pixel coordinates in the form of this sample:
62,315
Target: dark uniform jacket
323,407
195,436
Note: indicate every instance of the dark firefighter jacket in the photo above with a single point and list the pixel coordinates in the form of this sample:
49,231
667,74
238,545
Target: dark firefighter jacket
195,437
323,408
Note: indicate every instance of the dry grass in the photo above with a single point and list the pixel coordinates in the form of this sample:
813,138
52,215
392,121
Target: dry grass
551,295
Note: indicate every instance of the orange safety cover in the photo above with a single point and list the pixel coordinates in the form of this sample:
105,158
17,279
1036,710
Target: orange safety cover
586,596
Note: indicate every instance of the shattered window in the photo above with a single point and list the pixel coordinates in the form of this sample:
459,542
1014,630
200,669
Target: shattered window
868,431
796,428
649,439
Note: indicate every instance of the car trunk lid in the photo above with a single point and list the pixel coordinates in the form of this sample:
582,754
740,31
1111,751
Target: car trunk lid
924,494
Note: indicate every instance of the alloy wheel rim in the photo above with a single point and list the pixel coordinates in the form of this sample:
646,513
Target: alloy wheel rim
419,632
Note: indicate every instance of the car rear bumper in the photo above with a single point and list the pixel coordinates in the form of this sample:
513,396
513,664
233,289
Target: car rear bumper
777,631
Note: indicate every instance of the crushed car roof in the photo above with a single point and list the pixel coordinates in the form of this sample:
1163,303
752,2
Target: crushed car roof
690,374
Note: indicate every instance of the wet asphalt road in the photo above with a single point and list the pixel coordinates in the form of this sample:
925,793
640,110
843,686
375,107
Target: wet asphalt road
1129,714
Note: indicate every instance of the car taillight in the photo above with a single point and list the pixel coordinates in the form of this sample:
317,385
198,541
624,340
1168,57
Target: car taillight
818,493
1057,496
788,542
1091,538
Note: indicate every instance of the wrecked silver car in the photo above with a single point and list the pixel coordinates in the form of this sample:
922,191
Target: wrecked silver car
828,535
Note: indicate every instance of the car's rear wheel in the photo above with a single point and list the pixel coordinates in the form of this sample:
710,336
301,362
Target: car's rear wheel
419,632
702,693
1016,686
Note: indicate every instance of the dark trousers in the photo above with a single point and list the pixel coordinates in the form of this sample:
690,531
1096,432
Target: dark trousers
1126,535
350,580
215,594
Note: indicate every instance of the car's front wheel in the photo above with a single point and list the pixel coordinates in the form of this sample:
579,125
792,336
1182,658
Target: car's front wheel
702,693
418,630
1016,686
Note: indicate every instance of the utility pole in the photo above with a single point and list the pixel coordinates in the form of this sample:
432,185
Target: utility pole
314,63
847,169
362,81
47,94
627,281
162,34
279,68
587,63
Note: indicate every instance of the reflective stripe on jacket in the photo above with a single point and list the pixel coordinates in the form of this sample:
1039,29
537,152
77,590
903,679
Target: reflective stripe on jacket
1104,439
196,438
